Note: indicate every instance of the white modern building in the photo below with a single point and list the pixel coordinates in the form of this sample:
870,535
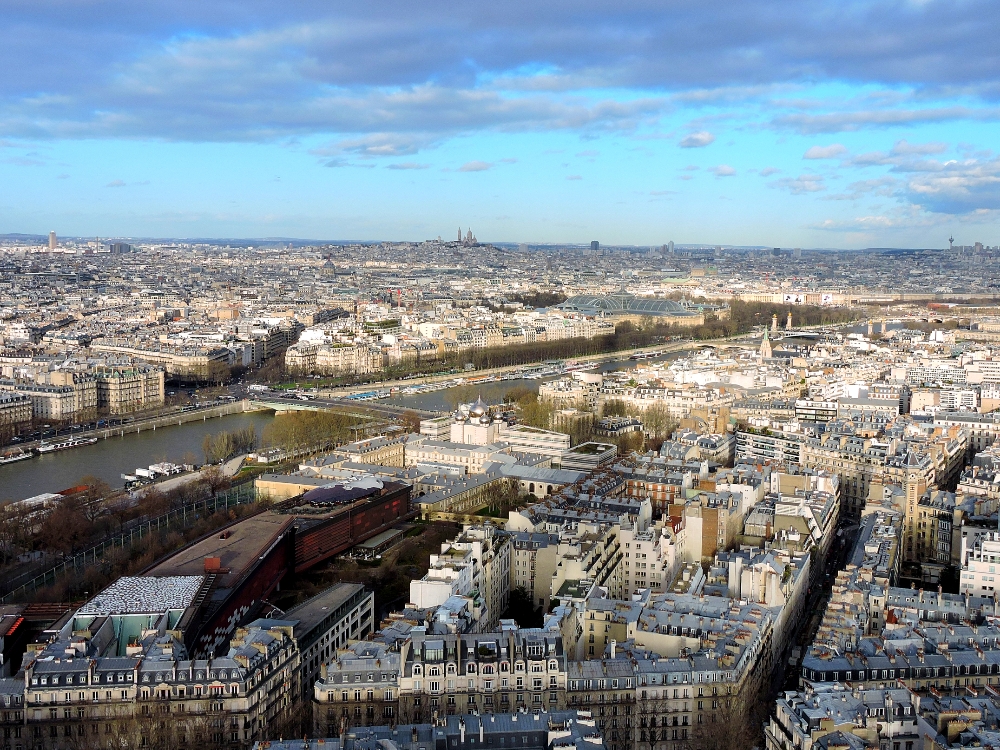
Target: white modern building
981,566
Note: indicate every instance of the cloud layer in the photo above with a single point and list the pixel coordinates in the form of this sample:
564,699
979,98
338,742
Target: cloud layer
264,69
802,96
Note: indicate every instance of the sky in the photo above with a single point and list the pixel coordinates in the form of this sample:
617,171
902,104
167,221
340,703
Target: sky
754,122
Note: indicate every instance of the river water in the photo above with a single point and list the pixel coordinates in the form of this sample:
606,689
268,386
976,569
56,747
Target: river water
493,393
109,459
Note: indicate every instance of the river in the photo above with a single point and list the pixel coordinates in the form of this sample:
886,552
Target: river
109,459
449,398
492,393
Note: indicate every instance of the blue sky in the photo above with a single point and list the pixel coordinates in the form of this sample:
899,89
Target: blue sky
814,124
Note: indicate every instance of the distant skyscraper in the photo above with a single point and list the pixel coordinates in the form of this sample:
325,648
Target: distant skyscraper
797,253
52,240
460,234
595,246
670,247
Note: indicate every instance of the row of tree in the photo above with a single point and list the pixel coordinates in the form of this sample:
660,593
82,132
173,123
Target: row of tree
229,443
742,318
88,517
309,430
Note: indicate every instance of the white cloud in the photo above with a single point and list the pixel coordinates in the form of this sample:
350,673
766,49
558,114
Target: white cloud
804,183
697,140
825,152
723,170
475,166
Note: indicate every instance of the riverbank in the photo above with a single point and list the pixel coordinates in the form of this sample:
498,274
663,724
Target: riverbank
476,374
121,453
165,420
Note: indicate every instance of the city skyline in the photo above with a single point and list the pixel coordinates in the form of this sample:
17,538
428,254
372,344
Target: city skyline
762,124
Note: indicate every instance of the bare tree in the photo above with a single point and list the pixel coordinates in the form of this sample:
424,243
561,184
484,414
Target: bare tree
410,421
648,712
215,479
734,724
15,531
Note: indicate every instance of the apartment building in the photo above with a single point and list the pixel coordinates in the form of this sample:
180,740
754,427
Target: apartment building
180,362
982,429
476,564
119,672
16,411
50,402
328,622
125,389
357,686
532,563
498,672
769,445
979,575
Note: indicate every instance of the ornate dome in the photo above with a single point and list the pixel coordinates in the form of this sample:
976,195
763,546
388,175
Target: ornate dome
479,408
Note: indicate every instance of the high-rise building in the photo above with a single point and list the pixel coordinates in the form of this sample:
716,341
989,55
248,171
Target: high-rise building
670,247
595,246
52,240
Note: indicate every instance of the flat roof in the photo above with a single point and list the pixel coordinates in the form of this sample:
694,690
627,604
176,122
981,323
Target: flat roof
144,594
378,539
315,610
245,543
591,448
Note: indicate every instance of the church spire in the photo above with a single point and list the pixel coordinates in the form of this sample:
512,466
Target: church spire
765,346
